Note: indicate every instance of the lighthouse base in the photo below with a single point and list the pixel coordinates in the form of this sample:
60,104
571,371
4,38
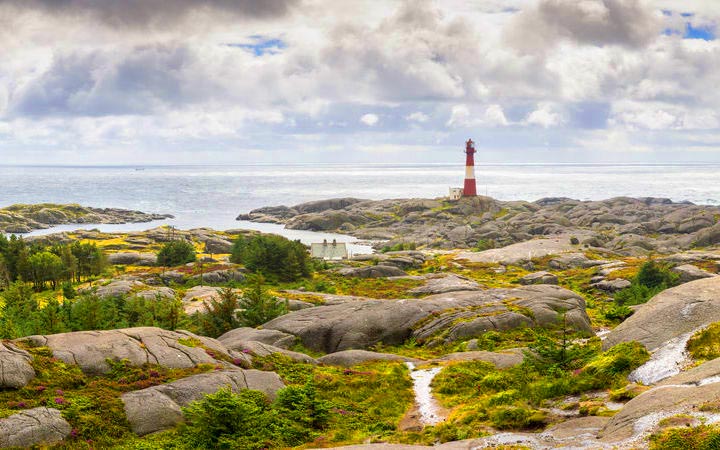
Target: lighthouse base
470,189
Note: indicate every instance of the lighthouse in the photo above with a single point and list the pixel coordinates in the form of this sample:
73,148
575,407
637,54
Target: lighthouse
470,188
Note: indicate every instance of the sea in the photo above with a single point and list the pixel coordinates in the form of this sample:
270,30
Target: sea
213,196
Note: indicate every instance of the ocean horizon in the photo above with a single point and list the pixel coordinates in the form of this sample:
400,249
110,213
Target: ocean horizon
214,195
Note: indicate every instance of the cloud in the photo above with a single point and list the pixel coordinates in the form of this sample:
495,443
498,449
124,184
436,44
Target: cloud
369,119
417,116
153,14
492,116
545,116
630,23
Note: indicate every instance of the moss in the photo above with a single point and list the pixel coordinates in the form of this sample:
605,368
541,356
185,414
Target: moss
516,417
703,437
705,344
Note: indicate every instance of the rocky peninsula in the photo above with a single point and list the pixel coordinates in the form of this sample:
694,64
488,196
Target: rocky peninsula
549,324
26,218
628,226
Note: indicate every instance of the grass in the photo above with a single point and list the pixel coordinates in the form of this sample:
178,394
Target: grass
705,344
367,401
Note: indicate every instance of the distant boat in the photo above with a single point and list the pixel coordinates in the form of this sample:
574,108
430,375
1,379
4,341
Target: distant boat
139,168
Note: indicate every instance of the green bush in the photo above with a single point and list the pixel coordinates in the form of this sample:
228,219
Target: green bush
258,307
247,420
175,253
273,256
651,279
618,312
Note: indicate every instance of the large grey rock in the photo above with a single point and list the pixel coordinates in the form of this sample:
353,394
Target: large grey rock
134,258
670,314
222,276
379,271
119,288
90,350
155,293
443,283
37,426
501,360
15,368
643,413
349,358
237,337
158,408
195,298
261,349
618,284
574,260
688,272
446,317
521,252
539,278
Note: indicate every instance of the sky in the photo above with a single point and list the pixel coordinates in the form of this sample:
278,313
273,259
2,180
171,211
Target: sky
375,81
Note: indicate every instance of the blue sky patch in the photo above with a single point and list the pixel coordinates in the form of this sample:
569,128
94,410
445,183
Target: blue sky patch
261,45
705,33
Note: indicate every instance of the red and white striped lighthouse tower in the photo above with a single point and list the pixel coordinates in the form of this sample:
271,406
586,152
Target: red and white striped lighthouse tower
470,189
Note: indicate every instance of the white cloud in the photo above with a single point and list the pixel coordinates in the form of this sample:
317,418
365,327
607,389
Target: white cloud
461,117
417,116
369,119
545,116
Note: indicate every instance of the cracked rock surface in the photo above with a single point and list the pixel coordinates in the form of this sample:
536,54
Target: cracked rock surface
33,427
450,316
15,368
158,408
142,345
669,314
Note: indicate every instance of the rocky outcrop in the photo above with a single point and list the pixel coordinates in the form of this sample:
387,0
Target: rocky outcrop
444,283
261,349
134,258
629,226
235,338
33,427
195,298
642,414
539,278
441,318
670,314
158,408
618,284
15,368
25,218
90,350
349,358
501,360
379,271
688,273
522,252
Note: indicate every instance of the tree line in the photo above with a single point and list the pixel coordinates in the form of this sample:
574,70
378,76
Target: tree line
48,265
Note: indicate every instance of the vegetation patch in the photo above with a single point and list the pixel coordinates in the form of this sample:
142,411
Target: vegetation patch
705,344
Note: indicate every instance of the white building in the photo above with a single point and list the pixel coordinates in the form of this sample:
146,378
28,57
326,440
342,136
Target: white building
456,193
332,250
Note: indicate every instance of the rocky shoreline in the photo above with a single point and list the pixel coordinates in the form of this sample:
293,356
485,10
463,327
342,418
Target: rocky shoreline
627,226
21,218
